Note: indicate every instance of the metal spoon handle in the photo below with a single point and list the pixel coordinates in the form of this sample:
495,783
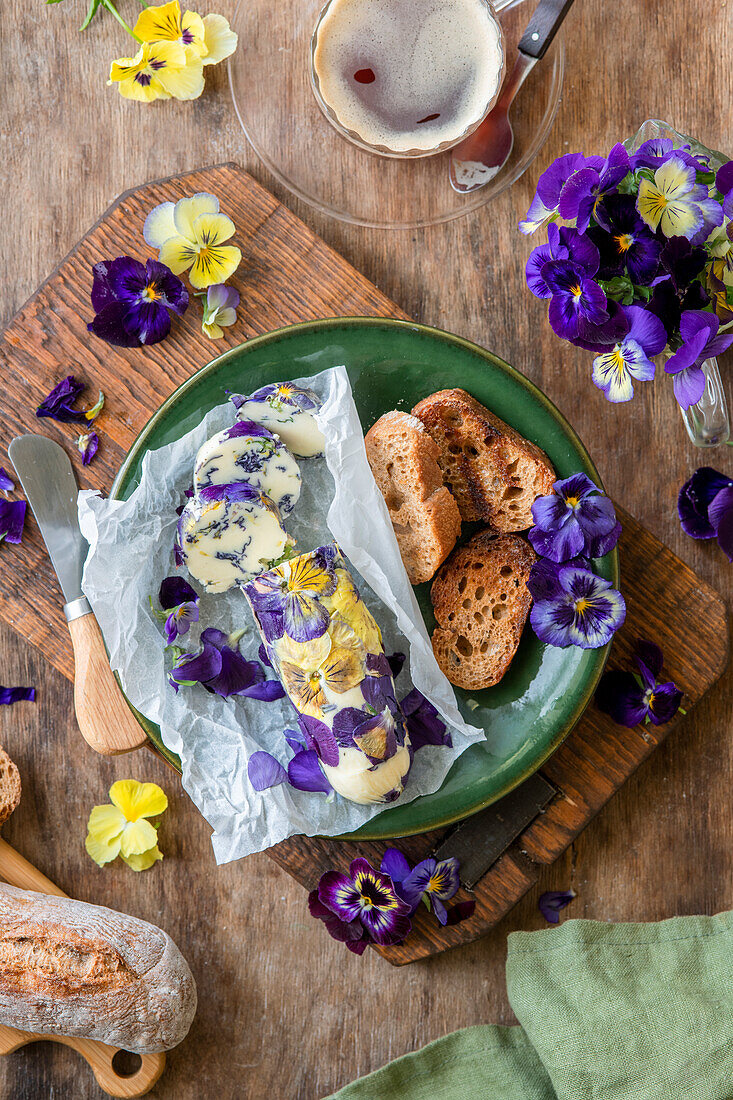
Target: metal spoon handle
543,26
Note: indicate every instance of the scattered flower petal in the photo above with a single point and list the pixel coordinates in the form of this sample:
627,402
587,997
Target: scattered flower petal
6,482
87,445
552,902
12,518
8,696
265,771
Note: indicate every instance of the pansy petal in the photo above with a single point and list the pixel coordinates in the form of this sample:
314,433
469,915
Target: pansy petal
211,229
337,892
220,39
394,864
106,823
174,591
552,902
688,386
619,696
12,518
720,514
265,771
102,851
137,837
159,23
177,254
214,265
651,655
184,83
136,800
665,703
561,545
145,860
11,695
187,210
159,226
305,774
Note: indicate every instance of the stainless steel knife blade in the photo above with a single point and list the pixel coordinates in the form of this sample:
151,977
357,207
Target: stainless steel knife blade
48,481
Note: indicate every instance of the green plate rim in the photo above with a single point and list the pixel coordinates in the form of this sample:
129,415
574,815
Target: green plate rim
326,323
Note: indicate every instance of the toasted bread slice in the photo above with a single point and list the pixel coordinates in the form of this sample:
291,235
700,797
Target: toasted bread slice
425,517
9,786
481,603
492,471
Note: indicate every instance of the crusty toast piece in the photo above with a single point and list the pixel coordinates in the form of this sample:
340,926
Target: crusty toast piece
9,786
492,471
425,517
481,603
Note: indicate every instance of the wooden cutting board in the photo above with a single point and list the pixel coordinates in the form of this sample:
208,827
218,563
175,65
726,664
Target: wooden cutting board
288,275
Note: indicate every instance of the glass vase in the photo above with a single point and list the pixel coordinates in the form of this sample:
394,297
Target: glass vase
707,422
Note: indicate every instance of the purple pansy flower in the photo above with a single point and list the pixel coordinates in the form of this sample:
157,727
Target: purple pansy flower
552,901
700,341
6,482
583,194
369,897
571,520
632,699
724,183
653,153
614,371
562,244
8,696
434,882
626,245
575,607
705,507
352,933
424,724
133,302
223,670
181,600
12,518
57,405
264,771
87,445
578,305
549,185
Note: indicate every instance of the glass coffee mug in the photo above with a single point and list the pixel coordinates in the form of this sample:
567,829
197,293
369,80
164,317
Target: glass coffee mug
407,78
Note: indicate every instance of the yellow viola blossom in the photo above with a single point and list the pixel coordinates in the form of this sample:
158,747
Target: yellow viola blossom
209,39
671,202
158,70
349,604
309,669
165,23
123,829
191,234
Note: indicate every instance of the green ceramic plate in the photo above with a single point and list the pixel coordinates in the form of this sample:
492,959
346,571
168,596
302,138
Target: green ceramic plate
393,364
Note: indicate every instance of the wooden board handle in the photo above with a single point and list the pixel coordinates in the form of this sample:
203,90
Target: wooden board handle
105,720
113,1079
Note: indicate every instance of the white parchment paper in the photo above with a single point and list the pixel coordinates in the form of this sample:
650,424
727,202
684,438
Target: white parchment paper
131,551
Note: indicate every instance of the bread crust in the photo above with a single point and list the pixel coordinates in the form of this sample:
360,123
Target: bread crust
68,968
404,460
481,602
10,789
492,471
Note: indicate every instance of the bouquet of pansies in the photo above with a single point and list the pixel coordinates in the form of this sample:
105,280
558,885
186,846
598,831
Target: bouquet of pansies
638,261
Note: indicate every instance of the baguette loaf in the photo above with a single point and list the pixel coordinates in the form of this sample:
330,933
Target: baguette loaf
9,786
492,471
425,517
68,968
481,603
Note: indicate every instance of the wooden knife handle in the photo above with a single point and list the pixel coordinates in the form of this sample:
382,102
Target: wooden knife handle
111,1077
105,720
543,26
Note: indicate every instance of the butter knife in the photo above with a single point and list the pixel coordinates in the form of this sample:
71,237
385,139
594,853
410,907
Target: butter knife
105,719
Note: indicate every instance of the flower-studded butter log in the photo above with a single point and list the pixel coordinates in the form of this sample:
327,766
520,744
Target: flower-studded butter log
326,647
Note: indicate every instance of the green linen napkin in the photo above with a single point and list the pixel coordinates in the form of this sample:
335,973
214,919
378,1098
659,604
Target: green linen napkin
607,1012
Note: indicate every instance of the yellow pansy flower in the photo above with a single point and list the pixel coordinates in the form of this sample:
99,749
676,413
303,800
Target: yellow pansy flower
210,39
306,668
157,71
191,234
122,829
671,202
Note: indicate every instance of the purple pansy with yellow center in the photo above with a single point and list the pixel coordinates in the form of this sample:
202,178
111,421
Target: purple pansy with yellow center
576,519
552,902
133,302
181,601
222,670
12,518
11,695
705,507
629,360
573,606
58,405
631,698
285,393
700,341
583,195
625,244
430,881
369,897
288,599
87,445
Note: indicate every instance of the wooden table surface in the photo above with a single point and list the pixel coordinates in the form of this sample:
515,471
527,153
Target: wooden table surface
284,1011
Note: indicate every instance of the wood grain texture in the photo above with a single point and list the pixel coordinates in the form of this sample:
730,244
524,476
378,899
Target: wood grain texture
106,722
16,870
284,1011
